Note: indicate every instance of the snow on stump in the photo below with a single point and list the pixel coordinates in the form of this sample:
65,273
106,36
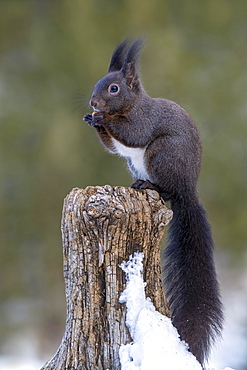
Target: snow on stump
155,341
101,228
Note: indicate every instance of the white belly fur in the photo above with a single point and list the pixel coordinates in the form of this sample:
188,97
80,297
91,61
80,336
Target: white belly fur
136,155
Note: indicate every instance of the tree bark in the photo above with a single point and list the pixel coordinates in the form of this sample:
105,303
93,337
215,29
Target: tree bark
101,227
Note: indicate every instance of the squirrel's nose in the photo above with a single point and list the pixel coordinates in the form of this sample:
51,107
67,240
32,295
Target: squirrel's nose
93,102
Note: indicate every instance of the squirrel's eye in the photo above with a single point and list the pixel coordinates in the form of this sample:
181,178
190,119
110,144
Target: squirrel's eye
113,89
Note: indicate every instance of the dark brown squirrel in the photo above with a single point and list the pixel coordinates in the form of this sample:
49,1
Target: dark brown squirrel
162,147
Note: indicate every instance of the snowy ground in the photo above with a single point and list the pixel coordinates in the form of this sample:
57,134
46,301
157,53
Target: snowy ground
12,363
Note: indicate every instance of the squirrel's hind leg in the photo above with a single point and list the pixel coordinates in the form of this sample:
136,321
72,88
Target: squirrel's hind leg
146,184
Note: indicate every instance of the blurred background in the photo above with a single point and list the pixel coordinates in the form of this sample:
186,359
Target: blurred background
52,53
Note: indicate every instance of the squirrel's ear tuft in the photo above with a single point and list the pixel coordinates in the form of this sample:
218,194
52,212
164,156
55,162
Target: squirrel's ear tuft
129,67
118,56
133,53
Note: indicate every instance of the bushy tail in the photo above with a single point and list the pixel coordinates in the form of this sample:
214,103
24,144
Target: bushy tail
190,278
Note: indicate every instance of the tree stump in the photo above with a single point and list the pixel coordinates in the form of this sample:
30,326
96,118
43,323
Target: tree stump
101,228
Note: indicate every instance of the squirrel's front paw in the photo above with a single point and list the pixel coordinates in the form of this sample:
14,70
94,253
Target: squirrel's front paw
98,118
88,118
94,119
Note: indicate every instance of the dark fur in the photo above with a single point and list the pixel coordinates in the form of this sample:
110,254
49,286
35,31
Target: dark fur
118,56
172,162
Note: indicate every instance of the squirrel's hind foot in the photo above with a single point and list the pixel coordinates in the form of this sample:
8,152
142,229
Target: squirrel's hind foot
145,184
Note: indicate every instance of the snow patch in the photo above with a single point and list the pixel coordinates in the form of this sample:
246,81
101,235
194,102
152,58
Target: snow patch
156,344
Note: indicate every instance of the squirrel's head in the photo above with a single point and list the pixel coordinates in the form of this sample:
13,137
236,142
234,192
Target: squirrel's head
119,90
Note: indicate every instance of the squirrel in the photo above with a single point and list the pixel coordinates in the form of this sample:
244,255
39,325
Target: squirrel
163,150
